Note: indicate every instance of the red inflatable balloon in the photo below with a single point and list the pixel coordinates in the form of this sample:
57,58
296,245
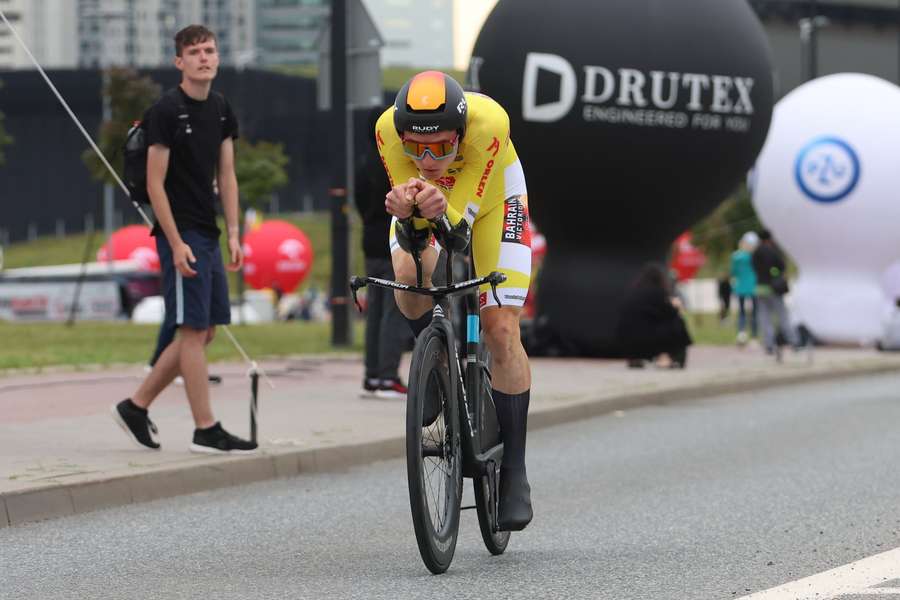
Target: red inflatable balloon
133,242
276,255
538,243
687,258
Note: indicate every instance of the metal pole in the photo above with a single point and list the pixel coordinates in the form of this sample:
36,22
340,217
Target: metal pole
340,310
254,392
813,41
108,197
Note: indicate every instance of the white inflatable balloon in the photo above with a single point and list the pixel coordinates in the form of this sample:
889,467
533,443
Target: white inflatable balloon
825,185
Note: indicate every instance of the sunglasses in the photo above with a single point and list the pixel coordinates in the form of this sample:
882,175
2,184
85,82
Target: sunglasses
437,150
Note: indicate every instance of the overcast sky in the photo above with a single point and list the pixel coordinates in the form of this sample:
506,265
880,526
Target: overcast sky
469,16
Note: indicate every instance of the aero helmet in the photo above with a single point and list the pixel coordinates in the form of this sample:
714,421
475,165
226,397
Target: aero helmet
430,102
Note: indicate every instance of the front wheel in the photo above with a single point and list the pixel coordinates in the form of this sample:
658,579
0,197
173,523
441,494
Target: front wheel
433,461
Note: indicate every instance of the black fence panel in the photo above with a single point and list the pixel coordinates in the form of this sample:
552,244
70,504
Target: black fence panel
45,184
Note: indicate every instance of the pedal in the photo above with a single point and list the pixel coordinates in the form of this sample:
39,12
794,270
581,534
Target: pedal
467,507
494,499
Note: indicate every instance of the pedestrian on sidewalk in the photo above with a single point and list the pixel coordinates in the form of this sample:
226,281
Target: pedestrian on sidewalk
190,134
387,334
771,287
745,285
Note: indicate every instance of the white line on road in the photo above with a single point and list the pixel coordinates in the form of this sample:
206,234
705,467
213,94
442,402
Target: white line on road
859,578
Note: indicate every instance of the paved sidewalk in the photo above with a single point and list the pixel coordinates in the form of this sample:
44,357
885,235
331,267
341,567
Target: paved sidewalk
61,453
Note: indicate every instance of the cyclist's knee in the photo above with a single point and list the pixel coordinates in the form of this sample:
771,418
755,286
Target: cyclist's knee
210,335
404,268
501,331
412,306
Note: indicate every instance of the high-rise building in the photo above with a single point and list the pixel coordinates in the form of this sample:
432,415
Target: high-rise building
416,33
287,31
46,26
139,32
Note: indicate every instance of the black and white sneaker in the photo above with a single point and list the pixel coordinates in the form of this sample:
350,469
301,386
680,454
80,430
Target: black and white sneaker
135,422
370,387
215,440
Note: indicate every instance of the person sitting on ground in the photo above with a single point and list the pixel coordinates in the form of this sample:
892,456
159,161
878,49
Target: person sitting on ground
650,325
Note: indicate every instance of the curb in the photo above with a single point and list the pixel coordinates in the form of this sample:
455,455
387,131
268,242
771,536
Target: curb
60,500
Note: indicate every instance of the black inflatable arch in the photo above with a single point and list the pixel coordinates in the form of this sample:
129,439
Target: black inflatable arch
633,121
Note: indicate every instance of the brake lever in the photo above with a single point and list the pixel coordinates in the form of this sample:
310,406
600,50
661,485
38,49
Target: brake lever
496,279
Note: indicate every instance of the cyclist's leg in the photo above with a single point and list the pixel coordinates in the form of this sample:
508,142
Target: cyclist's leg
416,308
501,242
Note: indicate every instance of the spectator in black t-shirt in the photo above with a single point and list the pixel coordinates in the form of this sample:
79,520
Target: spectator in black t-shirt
771,286
387,334
190,134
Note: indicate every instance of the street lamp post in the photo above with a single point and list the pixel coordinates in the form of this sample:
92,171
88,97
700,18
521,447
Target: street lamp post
809,42
241,61
340,242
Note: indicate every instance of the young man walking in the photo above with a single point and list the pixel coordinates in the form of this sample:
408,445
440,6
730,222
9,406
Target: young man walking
190,136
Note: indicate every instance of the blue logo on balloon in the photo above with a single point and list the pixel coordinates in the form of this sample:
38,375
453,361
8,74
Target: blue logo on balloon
827,169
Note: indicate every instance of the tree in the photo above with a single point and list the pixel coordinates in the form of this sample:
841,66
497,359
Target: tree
129,96
719,233
5,139
260,170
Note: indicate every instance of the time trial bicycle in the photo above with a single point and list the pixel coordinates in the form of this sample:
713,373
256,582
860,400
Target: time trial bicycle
452,430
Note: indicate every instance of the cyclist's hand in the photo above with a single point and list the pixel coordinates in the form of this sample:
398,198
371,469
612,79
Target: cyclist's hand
183,257
430,201
397,202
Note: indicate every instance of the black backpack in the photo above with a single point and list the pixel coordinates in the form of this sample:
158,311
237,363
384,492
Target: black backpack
135,148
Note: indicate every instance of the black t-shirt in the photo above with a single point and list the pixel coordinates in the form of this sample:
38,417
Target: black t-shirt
765,258
194,143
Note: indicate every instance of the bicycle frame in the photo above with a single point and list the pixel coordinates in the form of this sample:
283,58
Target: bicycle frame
475,463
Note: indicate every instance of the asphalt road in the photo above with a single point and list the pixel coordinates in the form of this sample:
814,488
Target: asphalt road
704,499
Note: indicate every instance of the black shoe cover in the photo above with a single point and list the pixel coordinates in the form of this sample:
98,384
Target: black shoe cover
515,499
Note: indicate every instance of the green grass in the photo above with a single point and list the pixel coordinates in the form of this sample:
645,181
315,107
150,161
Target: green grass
706,329
40,345
47,251
51,251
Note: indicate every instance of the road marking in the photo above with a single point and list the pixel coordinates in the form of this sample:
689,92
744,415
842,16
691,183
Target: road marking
873,578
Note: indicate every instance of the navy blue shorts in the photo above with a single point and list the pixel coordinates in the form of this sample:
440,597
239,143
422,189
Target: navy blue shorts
201,301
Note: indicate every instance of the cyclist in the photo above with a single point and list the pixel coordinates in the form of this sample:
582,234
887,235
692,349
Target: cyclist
448,154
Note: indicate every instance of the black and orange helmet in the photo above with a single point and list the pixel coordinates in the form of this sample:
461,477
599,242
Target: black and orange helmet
430,102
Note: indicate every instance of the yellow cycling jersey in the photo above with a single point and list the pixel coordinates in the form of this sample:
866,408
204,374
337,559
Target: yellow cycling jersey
485,172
